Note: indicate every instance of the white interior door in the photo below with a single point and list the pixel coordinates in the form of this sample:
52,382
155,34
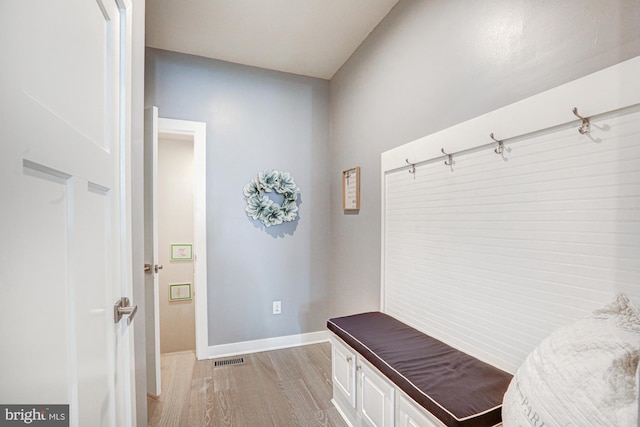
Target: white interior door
65,254
152,298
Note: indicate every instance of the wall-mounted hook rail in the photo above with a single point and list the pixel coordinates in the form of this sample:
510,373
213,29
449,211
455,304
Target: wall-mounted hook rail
412,169
585,128
500,148
449,160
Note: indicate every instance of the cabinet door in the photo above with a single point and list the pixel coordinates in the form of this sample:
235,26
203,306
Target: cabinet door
376,397
343,372
409,415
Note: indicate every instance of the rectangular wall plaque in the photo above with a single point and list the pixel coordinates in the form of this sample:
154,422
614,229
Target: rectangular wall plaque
182,251
179,291
351,189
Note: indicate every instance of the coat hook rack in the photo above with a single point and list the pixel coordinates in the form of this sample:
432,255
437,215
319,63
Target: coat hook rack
449,160
412,169
500,148
585,128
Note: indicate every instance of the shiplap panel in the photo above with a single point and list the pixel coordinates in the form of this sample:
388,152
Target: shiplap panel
494,253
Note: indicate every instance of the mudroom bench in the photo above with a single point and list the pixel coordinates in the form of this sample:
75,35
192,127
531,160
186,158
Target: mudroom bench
386,373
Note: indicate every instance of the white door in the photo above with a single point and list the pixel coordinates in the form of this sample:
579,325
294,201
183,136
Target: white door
151,282
376,397
65,251
343,372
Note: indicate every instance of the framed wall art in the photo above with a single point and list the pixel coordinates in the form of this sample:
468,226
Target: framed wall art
179,291
181,252
351,189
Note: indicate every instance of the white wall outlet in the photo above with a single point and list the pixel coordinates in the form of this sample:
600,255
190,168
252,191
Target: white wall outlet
277,307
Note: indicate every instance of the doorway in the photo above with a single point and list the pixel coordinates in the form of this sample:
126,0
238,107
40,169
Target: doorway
175,243
189,256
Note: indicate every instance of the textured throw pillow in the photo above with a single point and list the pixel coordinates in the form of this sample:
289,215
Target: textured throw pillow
583,374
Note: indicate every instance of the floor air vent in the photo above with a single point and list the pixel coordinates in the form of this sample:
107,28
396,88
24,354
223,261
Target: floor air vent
228,362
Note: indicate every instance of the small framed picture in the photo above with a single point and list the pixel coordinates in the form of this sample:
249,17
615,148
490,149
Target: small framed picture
179,291
181,252
351,189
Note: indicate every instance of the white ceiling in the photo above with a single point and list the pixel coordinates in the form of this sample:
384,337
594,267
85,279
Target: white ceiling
308,37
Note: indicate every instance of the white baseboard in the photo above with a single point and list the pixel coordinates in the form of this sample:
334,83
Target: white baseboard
233,349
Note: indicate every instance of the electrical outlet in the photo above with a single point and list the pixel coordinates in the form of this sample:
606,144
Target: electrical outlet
277,307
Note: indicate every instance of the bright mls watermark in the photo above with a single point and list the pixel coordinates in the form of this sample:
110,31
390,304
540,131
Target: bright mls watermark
34,415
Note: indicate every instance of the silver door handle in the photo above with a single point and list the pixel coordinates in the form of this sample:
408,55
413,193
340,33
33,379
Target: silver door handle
122,308
156,268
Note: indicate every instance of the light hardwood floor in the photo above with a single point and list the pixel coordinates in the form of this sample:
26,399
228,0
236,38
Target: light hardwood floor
289,387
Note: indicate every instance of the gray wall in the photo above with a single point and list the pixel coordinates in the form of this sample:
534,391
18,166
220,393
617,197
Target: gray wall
432,64
256,120
427,66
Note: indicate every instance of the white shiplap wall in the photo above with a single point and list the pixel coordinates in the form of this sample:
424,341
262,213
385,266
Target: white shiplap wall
496,252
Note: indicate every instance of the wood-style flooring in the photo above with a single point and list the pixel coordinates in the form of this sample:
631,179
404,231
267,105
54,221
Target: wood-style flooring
289,387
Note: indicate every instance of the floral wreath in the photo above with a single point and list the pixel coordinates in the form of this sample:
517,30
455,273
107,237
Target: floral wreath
261,207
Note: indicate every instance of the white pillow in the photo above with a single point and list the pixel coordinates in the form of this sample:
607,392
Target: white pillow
583,374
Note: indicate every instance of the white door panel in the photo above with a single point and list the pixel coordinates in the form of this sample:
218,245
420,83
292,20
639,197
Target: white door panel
36,229
78,56
92,307
344,380
376,397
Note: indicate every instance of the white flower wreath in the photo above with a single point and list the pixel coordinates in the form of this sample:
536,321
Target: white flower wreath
261,207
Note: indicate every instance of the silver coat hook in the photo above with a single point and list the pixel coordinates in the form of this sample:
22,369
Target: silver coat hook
413,166
500,148
449,160
585,128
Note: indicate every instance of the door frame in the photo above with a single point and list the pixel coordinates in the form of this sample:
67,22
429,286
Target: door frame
198,131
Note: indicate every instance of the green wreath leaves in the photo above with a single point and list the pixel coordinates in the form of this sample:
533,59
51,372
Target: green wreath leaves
260,207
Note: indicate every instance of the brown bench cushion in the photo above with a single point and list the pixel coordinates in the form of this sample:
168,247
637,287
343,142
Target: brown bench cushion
457,388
